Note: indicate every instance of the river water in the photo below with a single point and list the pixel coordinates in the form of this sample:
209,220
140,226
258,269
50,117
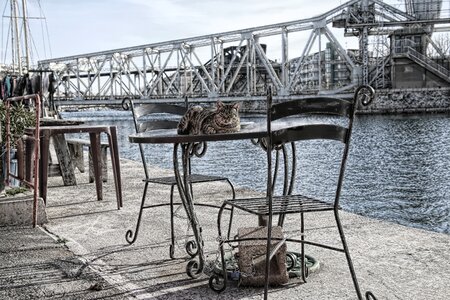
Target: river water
398,167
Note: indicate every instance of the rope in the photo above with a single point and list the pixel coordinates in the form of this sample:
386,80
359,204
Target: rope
294,268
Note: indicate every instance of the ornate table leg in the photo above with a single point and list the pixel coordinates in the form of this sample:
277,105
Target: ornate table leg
194,267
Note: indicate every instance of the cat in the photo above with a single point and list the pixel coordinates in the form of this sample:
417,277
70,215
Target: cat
224,118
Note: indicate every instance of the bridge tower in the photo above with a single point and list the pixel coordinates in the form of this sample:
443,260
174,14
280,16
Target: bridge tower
411,64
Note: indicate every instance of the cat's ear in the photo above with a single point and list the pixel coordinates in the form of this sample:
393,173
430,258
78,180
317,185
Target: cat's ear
236,106
220,104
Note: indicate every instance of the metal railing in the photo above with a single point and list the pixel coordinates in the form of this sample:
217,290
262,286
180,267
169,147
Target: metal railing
427,62
35,183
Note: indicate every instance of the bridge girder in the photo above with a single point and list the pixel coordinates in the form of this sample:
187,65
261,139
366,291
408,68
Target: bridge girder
234,64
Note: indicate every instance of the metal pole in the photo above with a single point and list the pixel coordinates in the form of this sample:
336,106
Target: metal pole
36,159
36,138
319,62
8,140
25,33
16,32
284,57
213,65
13,58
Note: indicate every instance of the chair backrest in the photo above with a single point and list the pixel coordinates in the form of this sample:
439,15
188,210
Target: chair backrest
144,116
152,116
333,120
317,107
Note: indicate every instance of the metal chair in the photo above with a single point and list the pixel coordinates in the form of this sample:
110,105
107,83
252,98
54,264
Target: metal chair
144,120
326,117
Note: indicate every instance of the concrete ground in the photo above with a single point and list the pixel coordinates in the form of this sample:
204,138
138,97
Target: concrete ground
81,253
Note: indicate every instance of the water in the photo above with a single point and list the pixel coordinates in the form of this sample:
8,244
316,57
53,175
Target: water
398,168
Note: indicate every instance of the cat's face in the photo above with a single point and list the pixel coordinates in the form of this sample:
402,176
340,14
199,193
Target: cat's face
227,113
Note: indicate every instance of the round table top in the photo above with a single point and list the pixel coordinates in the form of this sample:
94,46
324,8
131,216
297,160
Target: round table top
170,136
248,130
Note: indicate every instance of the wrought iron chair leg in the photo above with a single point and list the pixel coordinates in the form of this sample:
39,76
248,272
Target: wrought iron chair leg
230,222
347,255
268,258
232,209
172,226
302,238
218,282
130,236
281,220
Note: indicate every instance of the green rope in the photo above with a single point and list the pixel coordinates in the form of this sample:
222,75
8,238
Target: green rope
294,263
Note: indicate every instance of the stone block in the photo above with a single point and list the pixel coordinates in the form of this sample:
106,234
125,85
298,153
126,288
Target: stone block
18,210
252,257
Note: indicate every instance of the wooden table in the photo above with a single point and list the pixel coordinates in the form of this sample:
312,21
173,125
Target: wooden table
94,131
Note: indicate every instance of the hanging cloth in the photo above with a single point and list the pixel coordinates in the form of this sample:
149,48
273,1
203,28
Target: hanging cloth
8,86
36,84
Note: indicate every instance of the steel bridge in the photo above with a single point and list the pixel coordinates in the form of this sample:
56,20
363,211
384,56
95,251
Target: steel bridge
295,58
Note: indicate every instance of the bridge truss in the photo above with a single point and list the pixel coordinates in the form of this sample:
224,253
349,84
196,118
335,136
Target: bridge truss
297,57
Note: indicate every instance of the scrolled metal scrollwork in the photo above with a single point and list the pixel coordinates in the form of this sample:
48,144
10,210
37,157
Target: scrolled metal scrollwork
262,142
126,103
198,149
191,248
221,240
193,269
364,94
217,283
130,236
255,141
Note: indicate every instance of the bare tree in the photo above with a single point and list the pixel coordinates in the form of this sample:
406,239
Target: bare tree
439,45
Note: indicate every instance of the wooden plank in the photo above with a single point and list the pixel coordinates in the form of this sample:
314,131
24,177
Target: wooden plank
77,155
103,161
85,142
63,155
76,150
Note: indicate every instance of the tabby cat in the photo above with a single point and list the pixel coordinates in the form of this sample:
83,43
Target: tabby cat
223,118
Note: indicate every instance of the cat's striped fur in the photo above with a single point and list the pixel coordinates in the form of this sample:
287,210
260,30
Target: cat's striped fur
223,118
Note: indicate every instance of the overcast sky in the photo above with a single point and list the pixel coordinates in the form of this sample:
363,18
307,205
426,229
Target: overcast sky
84,26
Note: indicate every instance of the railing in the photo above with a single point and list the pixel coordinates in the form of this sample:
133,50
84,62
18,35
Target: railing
35,184
427,62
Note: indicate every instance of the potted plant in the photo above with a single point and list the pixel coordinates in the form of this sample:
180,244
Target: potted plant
21,117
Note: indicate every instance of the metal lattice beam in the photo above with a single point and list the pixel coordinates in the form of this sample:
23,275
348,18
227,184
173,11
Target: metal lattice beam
237,63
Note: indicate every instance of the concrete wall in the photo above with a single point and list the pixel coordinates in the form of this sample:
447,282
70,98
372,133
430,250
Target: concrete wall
407,74
410,101
399,101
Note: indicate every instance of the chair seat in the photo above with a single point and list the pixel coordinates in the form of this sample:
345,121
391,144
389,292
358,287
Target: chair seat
193,178
281,205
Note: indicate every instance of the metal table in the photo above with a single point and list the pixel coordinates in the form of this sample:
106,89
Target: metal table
193,145
94,133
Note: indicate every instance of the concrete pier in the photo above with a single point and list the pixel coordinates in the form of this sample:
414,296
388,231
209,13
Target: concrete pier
81,253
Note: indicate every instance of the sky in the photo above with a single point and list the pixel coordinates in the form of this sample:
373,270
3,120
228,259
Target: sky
84,26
